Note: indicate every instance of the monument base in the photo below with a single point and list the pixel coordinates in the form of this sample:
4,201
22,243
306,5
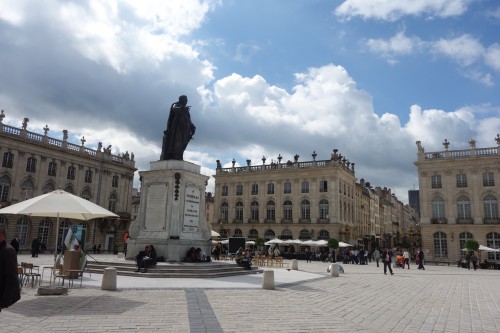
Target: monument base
172,211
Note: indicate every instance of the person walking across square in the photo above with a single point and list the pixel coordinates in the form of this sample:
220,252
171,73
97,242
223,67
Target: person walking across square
387,257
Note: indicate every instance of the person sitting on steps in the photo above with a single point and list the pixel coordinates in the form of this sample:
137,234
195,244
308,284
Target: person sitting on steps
146,258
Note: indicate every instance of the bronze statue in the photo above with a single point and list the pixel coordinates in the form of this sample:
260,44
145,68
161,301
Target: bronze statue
179,131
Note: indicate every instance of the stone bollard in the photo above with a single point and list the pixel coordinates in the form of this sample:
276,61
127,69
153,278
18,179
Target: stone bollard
268,280
295,264
334,270
109,279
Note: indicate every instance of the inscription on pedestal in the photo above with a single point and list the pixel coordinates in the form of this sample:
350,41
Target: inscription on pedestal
191,209
156,207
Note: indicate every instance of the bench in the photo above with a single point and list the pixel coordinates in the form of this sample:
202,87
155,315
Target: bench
443,262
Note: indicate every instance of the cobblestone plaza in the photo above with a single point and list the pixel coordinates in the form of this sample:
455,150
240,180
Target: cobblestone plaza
439,299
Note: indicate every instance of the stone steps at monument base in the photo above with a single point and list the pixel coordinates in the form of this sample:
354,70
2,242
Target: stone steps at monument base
175,270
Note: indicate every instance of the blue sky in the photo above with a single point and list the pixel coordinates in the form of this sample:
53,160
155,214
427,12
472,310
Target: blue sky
368,77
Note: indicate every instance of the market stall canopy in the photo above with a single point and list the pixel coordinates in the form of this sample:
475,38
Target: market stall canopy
215,234
274,241
342,244
487,249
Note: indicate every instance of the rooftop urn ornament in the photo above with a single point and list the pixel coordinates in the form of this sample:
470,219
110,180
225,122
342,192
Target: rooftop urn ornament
446,144
83,140
352,166
65,135
248,162
279,158
296,157
497,139
25,123
234,162
472,143
2,115
219,165
46,129
263,160
314,155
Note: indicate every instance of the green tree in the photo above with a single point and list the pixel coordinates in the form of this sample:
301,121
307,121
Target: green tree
333,243
471,245
259,242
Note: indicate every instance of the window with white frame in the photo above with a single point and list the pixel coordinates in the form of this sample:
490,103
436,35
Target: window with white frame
271,210
4,188
31,164
255,189
323,186
114,181
304,187
223,211
323,209
8,160
488,179
440,245
287,210
239,189
305,210
225,190
112,203
493,241
436,181
490,207
43,231
254,210
462,180
22,230
287,188
52,169
463,208
270,188
71,173
437,208
239,211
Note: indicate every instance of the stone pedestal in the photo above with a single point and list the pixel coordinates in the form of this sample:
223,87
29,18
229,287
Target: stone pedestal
334,270
295,264
109,279
268,280
172,211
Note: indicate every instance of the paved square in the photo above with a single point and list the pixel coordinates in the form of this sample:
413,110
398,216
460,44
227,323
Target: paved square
439,299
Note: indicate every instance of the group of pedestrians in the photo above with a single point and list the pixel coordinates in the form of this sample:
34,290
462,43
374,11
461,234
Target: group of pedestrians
402,259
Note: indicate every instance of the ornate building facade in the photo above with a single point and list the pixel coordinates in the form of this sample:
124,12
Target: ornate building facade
317,199
34,164
458,192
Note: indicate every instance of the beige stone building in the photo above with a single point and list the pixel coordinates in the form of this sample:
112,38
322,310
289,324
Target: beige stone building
306,200
459,191
34,164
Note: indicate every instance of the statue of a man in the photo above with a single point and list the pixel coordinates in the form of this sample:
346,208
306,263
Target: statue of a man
179,131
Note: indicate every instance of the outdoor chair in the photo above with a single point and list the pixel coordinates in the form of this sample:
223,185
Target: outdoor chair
29,274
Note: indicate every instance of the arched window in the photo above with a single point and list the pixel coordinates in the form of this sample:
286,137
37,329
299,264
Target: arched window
464,237
48,187
286,234
239,211
304,234
69,189
238,233
493,241
4,188
324,234
253,233
271,210
254,210
43,231
490,207
22,230
437,208
86,194
269,234
440,245
223,211
305,210
463,207
323,209
287,210
27,189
